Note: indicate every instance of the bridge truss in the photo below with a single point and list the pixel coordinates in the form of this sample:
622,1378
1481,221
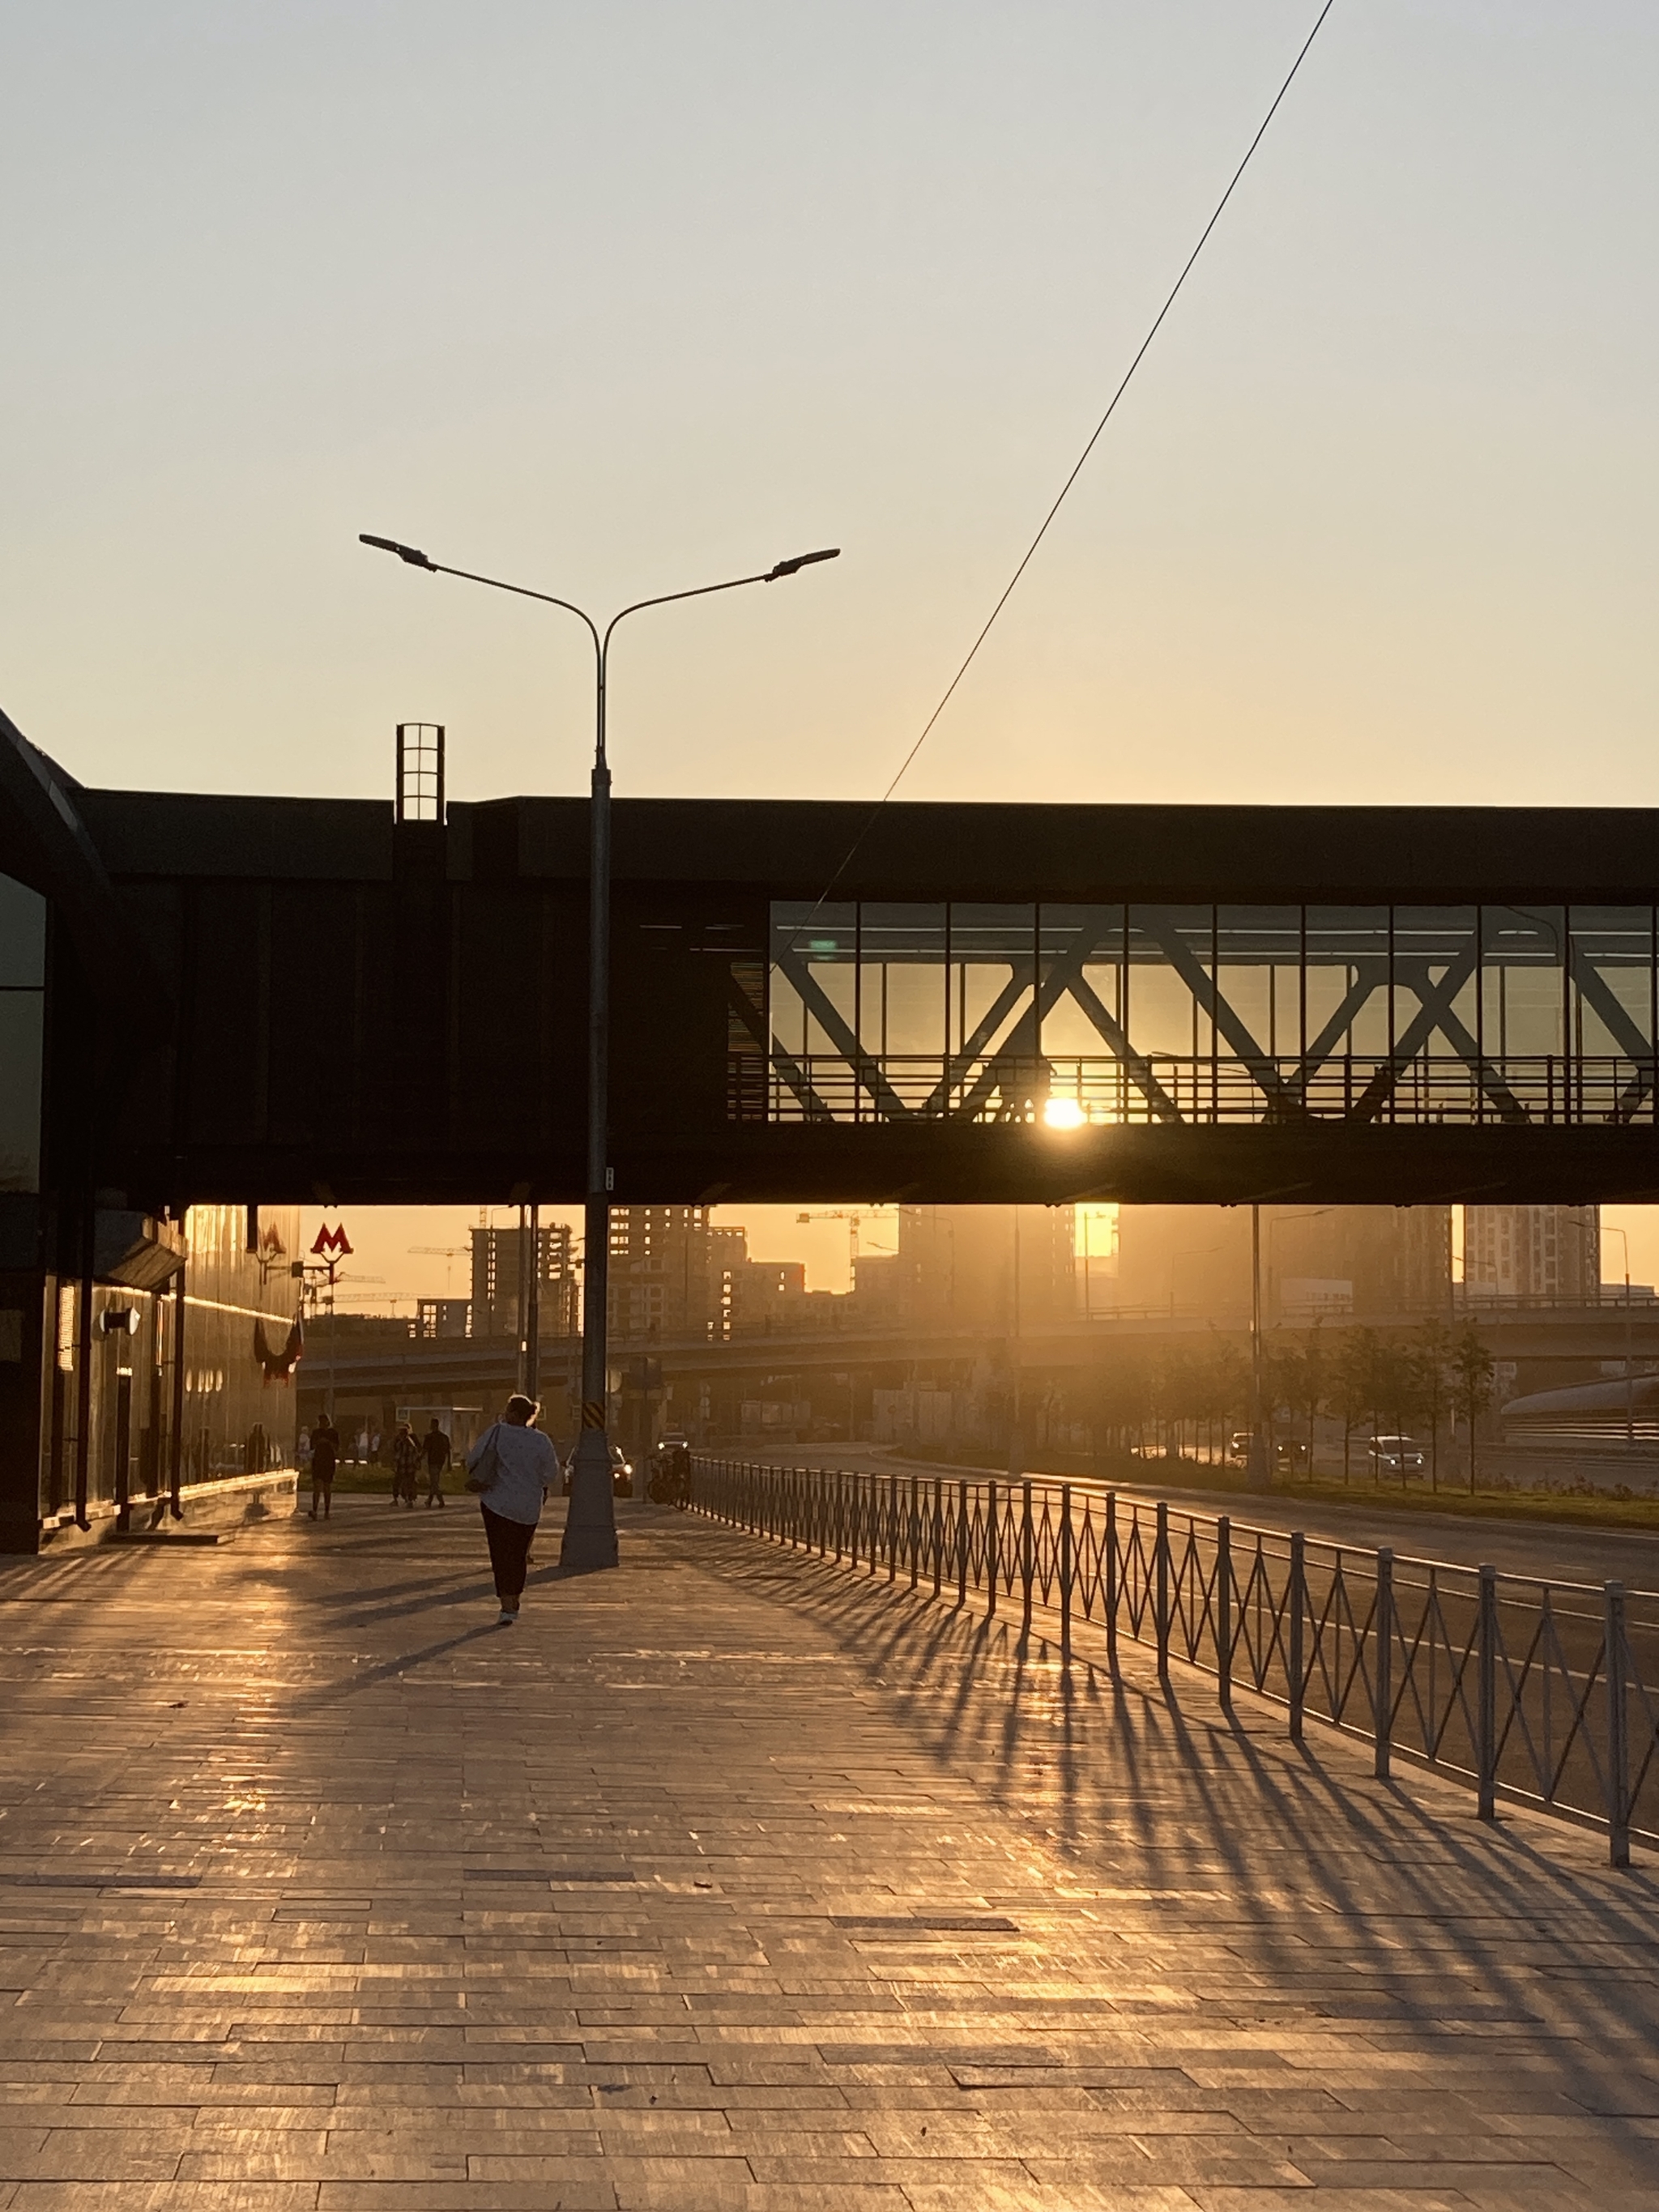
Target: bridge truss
1533,1016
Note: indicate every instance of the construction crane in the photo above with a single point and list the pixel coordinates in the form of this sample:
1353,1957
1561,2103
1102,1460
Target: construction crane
448,1253
852,1216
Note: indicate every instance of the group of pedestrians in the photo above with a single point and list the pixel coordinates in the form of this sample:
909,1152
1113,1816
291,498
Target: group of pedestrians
511,1469
410,1454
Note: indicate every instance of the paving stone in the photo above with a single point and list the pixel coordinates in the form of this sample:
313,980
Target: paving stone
734,1880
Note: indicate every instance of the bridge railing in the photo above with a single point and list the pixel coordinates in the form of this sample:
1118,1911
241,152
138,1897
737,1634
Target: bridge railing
1547,1089
1545,1693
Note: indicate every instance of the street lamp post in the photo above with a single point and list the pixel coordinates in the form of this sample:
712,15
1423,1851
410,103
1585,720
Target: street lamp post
1608,1230
590,1533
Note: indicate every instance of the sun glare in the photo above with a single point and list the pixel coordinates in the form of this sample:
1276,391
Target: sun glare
1063,1114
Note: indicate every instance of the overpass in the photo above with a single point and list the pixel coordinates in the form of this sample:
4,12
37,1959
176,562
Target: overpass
289,999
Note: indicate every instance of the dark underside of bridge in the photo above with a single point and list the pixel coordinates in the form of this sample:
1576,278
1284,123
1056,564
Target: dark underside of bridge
286,999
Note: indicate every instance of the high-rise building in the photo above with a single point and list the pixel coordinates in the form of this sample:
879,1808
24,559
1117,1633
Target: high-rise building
987,1268
499,1287
1317,1262
1532,1252
671,1272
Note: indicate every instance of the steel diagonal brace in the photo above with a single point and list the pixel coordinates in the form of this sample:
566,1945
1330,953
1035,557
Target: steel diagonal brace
1368,977
830,1019
739,1003
957,1065
1435,1013
1139,1069
1593,988
1061,976
1263,1071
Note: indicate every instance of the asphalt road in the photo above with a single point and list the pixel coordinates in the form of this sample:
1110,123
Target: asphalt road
1557,1552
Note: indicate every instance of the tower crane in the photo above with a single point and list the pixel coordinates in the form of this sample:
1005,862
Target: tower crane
852,1216
448,1253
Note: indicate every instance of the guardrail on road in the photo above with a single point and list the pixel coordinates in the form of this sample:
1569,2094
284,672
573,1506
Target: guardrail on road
1543,1692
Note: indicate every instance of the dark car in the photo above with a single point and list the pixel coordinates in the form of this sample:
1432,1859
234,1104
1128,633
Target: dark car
621,1472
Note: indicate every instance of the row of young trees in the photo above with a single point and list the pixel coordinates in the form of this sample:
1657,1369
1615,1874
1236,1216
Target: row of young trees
1179,1398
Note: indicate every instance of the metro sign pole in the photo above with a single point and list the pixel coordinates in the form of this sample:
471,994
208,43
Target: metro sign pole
332,1245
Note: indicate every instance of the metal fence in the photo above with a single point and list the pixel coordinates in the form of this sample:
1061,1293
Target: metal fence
1542,1692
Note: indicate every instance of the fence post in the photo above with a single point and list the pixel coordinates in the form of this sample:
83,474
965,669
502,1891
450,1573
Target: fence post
1027,1563
1223,1609
915,1529
1486,1747
939,1532
1065,1574
1298,1605
1112,1580
992,1548
892,1528
1161,1591
1382,1662
1618,1729
961,1541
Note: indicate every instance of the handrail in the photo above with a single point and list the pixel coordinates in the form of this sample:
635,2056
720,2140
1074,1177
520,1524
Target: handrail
1541,1692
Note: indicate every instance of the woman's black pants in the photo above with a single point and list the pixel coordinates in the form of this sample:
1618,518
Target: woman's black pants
509,1547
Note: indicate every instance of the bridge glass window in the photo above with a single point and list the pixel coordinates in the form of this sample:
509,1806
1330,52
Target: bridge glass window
1435,1048
901,979
813,990
1170,960
1611,959
1155,1012
1080,1033
992,965
1522,984
1258,999
1344,988
1080,966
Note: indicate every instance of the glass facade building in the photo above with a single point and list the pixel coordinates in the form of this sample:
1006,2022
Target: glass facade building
141,1357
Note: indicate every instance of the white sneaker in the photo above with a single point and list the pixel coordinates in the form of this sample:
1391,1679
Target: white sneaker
507,1620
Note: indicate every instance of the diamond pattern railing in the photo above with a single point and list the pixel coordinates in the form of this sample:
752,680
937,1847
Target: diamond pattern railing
1542,1692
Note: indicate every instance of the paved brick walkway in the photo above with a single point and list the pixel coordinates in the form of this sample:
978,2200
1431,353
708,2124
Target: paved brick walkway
734,1880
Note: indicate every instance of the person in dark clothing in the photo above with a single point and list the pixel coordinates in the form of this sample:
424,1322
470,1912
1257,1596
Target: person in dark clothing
435,1446
324,1458
405,1464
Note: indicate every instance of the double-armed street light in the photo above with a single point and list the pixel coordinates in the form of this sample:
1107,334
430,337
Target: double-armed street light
590,1534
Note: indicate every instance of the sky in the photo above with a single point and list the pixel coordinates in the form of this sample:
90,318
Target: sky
613,299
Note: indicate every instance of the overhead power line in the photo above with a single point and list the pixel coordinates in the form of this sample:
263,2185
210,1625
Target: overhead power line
1094,438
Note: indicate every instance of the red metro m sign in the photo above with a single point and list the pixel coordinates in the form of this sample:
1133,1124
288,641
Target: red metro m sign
333,1243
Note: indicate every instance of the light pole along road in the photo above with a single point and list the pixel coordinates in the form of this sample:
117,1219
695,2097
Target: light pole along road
590,1531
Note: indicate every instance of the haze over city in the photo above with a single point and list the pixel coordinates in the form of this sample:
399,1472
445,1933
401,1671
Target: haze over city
615,299
849,1402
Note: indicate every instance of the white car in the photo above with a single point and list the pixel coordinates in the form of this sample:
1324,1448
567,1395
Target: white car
1396,1455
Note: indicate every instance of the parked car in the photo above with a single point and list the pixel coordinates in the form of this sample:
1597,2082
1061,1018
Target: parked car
621,1472
1399,1457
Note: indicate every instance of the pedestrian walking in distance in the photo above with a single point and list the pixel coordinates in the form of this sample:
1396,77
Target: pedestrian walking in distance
512,1467
324,1458
405,1464
434,1447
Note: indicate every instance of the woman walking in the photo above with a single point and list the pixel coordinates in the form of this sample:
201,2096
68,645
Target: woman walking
512,1467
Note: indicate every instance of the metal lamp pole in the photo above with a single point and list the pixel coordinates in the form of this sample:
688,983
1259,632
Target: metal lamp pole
1630,1366
590,1533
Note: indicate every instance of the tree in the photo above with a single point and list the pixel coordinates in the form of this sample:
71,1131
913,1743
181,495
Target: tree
1431,1351
1353,1383
1305,1381
1471,1368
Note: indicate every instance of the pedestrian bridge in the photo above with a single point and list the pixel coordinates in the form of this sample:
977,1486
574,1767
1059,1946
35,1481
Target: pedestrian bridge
286,998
